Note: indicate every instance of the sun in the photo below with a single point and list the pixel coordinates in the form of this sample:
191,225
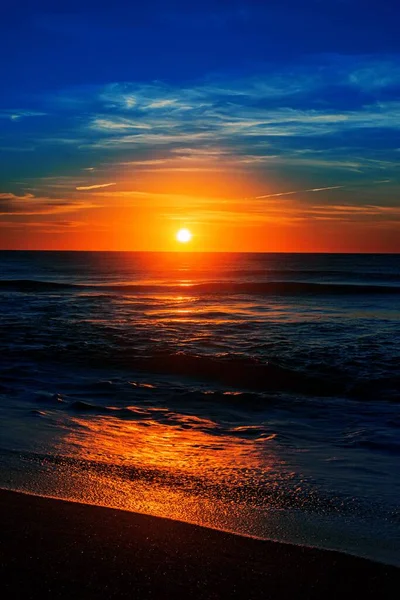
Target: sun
183,236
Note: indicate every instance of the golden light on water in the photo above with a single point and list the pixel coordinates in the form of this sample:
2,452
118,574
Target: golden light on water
183,236
164,463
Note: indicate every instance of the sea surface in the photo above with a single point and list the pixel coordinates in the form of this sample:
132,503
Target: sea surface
255,393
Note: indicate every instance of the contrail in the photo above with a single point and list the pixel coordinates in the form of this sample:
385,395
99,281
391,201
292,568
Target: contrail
332,187
323,189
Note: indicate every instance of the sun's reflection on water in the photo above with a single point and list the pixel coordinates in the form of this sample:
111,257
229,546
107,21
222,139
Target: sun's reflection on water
166,440
191,471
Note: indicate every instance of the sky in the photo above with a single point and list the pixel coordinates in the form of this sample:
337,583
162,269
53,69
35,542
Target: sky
259,126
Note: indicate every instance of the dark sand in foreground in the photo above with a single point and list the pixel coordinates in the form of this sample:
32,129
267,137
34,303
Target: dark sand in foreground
56,549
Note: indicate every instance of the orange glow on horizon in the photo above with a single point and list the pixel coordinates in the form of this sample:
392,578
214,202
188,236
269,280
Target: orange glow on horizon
229,211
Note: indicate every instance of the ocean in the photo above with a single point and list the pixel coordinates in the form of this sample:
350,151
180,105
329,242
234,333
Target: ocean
253,393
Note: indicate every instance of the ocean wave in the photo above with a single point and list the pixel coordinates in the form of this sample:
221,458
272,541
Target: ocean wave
285,288
253,377
286,274
237,372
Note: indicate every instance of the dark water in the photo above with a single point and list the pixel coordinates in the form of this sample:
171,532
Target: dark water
258,393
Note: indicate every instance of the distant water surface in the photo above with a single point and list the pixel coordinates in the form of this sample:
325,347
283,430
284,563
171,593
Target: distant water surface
257,393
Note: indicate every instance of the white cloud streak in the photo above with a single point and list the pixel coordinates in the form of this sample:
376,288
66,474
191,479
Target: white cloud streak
323,189
94,187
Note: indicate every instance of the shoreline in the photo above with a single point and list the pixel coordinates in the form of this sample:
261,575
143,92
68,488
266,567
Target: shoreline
293,540
55,548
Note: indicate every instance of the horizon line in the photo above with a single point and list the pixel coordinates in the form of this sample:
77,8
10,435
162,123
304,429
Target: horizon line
183,252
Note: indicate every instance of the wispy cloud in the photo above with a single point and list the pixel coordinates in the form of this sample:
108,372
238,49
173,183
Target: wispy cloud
16,114
117,124
273,127
225,110
94,187
29,204
161,103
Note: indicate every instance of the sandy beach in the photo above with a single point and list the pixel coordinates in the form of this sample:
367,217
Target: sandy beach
58,549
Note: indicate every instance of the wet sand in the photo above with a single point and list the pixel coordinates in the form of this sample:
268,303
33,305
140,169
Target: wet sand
57,549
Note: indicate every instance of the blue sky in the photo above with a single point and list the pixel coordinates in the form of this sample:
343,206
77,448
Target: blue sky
292,100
